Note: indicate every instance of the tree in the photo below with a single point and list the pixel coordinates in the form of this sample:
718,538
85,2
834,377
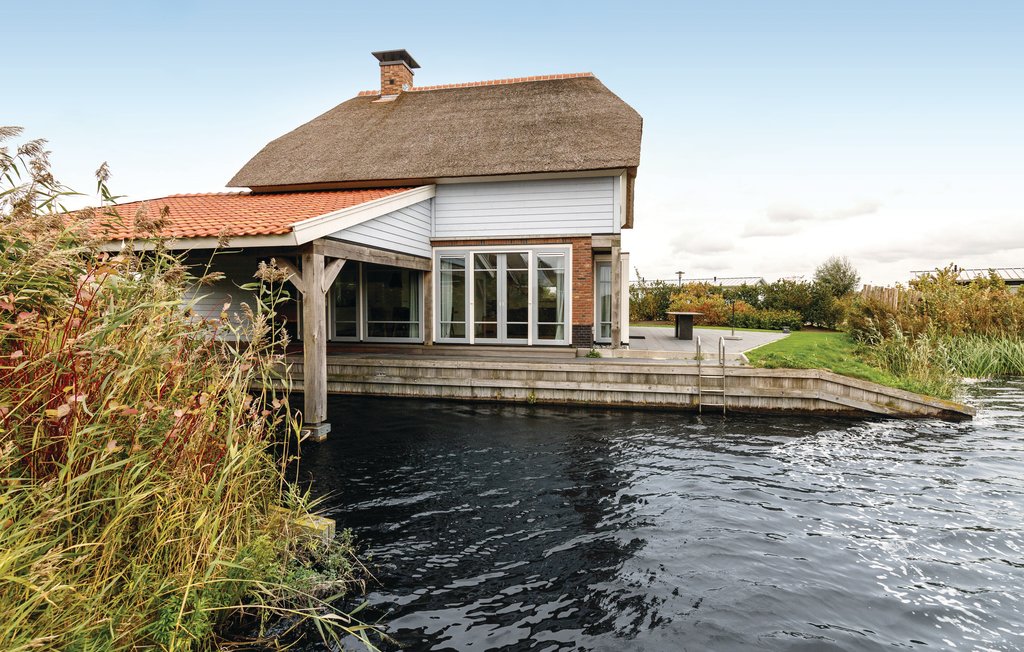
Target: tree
838,275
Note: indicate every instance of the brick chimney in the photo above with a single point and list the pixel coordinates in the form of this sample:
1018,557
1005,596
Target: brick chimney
396,71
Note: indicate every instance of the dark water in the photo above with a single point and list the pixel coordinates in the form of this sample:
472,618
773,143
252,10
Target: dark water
531,528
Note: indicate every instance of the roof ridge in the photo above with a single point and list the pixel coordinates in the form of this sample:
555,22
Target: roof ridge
488,82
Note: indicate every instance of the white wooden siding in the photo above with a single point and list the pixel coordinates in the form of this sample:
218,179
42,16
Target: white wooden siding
406,231
526,208
208,300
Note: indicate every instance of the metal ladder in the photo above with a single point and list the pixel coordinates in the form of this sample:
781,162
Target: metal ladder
711,384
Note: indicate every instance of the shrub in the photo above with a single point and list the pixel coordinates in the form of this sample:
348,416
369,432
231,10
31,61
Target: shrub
707,299
769,319
649,300
984,307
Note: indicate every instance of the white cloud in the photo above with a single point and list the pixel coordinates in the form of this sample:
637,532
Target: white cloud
790,219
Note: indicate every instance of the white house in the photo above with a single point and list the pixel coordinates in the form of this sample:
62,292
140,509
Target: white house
481,213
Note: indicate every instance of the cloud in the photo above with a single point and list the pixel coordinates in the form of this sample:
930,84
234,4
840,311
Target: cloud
950,244
703,243
770,229
787,219
788,214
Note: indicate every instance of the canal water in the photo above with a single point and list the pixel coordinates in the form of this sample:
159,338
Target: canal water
495,527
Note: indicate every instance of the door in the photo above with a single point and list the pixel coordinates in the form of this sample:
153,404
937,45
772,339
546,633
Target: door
501,297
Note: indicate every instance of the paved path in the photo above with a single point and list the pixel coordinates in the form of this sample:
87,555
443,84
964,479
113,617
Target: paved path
656,338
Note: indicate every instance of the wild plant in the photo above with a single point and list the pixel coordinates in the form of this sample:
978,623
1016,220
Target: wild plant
142,504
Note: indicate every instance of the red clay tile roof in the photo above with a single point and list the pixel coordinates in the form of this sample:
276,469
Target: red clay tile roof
489,82
232,213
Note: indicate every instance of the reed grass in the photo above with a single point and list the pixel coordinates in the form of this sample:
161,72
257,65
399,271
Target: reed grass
140,503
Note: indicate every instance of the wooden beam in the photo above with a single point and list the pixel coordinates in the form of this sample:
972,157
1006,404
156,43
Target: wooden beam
616,295
603,241
314,341
348,251
294,275
331,271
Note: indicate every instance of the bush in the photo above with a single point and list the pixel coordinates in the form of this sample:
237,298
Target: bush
649,300
769,319
707,299
985,307
718,310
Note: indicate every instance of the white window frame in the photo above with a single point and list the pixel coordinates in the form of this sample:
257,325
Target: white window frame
469,251
362,326
600,260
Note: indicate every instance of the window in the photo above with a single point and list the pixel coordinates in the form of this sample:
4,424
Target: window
346,302
495,296
551,296
452,298
485,296
604,301
392,302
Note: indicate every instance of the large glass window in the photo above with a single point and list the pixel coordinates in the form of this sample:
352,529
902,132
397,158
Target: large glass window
485,296
517,296
550,296
346,302
392,302
452,318
490,296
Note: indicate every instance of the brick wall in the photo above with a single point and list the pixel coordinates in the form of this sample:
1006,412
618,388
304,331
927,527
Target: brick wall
392,76
581,278
582,293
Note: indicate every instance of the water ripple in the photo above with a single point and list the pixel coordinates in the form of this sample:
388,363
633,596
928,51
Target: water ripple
530,528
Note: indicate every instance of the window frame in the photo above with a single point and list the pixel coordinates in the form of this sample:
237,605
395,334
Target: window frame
532,251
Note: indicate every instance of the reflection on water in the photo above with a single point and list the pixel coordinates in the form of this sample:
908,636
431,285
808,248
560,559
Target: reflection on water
531,528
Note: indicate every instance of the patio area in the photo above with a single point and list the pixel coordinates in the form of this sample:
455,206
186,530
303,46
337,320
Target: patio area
662,338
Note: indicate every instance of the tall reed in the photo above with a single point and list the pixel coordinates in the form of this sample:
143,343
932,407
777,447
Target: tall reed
140,506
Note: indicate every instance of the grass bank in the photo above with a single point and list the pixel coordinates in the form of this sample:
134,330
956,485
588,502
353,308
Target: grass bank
839,353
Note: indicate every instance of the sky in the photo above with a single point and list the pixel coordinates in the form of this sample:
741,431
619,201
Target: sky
776,133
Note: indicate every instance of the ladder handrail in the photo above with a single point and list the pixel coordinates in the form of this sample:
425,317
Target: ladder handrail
721,363
700,387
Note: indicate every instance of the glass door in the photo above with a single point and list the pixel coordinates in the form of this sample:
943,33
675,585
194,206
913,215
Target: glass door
501,298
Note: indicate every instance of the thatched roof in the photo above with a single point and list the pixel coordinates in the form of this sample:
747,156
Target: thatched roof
564,123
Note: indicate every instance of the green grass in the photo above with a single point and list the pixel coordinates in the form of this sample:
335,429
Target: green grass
835,352
665,324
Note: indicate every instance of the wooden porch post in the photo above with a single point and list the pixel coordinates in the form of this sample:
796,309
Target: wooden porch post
314,347
616,293
313,282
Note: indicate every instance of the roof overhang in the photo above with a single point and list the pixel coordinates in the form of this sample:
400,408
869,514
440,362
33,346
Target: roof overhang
483,178
302,232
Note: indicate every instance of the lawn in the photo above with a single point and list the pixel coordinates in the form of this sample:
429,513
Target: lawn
825,350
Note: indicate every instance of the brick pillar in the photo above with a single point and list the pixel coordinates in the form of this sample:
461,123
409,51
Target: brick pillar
582,293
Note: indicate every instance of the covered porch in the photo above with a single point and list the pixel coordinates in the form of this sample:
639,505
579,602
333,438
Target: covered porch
349,293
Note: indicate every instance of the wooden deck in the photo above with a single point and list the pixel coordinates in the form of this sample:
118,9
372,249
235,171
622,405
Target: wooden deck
558,376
